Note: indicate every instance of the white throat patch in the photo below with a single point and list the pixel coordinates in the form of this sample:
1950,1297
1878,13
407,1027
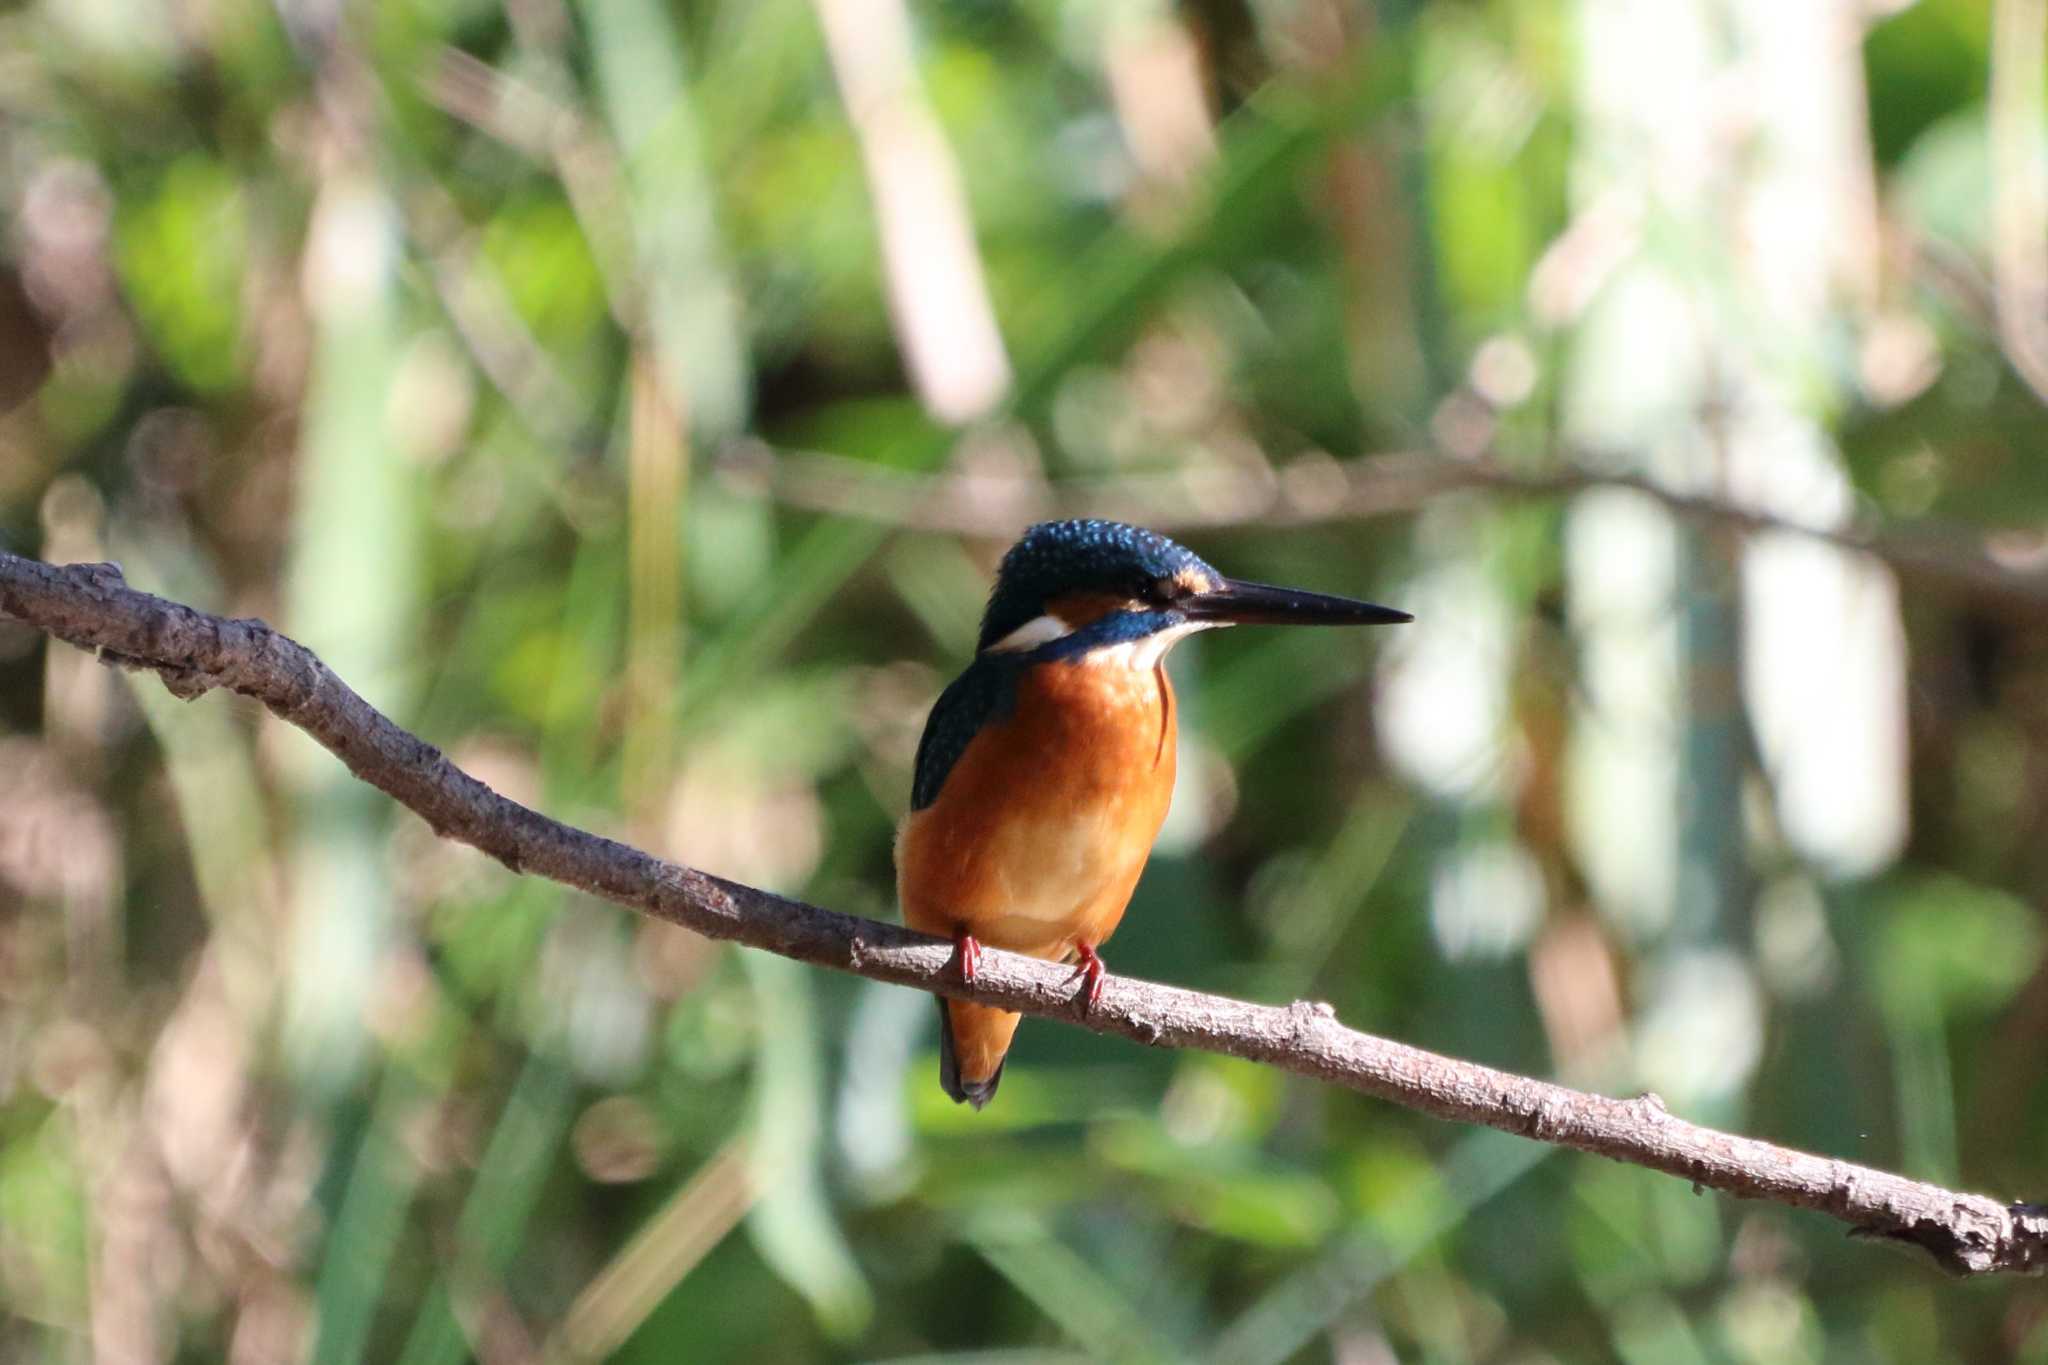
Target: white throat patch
1144,655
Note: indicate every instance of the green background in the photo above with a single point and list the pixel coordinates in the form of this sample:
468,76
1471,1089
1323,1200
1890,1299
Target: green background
544,369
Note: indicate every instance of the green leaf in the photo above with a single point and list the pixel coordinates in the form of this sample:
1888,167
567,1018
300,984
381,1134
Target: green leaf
1954,945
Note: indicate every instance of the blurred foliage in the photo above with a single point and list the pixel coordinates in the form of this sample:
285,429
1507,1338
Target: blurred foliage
452,337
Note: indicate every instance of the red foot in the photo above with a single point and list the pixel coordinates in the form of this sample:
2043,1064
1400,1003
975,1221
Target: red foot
1090,967
968,952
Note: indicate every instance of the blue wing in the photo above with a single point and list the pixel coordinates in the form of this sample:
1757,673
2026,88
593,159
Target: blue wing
985,692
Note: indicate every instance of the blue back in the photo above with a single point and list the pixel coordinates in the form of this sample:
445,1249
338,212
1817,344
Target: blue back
985,693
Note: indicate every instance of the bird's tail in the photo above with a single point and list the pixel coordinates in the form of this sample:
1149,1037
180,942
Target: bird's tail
973,1041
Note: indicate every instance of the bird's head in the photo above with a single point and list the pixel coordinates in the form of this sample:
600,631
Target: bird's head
1102,583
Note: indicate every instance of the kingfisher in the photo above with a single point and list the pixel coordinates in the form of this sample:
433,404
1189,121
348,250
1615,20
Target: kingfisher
1046,768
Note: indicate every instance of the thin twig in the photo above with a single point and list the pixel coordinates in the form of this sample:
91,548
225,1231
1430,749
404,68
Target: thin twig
90,606
1325,491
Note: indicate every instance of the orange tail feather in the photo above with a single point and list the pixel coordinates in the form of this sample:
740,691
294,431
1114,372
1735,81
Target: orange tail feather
973,1041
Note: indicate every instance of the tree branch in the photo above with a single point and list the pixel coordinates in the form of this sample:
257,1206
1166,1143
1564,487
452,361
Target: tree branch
90,606
1393,483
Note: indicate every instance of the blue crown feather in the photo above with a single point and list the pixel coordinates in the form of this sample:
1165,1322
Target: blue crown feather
1083,555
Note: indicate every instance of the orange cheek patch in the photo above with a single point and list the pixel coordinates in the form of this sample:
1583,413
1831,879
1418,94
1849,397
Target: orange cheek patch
1078,609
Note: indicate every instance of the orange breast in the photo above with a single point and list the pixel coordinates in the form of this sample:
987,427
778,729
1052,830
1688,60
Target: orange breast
1037,838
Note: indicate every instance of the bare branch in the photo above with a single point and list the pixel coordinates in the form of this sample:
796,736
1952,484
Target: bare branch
1390,484
89,605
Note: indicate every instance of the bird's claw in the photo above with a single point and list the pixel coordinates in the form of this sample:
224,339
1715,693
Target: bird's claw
1089,967
968,952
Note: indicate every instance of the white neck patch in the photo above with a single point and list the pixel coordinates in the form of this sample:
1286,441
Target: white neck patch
1039,630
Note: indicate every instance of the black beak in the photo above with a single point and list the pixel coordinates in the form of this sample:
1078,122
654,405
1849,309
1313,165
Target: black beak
1241,603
